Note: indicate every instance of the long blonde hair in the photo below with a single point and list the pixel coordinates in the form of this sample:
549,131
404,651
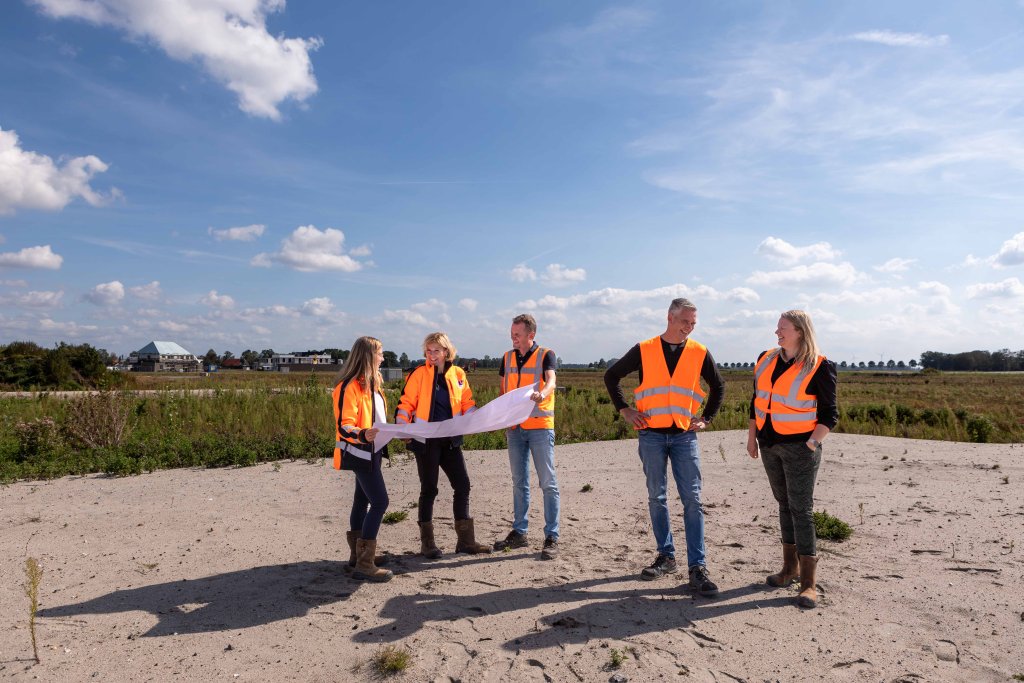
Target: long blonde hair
808,352
362,363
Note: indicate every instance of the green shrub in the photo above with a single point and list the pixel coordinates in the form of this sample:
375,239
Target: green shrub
980,428
390,660
396,516
831,528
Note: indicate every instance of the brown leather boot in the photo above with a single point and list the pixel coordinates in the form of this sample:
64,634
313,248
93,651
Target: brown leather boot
467,538
428,548
365,569
790,568
808,597
352,537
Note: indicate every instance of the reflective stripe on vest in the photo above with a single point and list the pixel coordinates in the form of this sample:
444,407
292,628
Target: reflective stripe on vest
674,400
543,414
792,409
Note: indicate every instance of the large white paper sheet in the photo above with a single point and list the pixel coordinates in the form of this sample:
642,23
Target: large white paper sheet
507,410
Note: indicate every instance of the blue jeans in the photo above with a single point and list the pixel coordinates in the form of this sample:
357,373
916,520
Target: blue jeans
540,442
656,451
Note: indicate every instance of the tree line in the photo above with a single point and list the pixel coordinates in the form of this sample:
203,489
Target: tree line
26,365
1003,360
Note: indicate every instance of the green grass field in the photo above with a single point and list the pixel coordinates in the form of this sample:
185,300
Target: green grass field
252,417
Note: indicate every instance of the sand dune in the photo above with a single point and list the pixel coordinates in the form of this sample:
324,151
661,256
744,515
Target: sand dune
236,575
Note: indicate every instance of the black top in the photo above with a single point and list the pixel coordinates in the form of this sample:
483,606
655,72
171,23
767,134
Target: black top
632,362
440,402
822,386
547,363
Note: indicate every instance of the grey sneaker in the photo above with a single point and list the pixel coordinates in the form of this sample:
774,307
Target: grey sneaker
663,565
550,550
513,540
701,582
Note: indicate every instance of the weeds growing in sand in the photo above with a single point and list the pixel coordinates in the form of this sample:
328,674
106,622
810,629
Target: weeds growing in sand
587,488
33,577
390,660
831,528
616,658
396,516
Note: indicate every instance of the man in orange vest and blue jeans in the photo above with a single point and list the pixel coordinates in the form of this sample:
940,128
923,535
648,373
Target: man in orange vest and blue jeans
668,401
528,364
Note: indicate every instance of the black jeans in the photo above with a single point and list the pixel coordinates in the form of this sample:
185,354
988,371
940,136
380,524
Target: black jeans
370,493
435,455
792,469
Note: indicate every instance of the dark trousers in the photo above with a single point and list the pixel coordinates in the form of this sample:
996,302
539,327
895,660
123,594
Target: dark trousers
792,469
435,455
368,503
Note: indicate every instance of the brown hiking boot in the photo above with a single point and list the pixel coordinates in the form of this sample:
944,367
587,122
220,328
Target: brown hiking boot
790,568
365,569
428,548
467,538
808,598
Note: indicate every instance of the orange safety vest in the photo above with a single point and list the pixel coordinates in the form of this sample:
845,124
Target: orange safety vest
670,401
353,413
543,415
793,410
418,395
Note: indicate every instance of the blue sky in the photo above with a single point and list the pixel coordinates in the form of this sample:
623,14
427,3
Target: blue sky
236,174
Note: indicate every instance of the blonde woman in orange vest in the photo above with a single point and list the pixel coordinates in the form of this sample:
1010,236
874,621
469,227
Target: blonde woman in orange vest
528,364
358,403
667,417
434,392
791,412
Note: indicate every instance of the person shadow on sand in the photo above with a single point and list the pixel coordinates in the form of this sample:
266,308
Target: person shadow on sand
222,602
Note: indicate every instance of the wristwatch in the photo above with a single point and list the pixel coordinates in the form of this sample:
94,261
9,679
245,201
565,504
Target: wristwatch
814,441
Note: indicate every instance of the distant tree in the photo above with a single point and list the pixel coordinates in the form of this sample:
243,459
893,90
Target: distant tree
901,365
266,354
860,364
891,363
211,358
913,362
403,360
843,364
390,359
226,356
250,358
871,363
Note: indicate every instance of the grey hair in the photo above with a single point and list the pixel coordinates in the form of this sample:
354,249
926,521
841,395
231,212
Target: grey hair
681,304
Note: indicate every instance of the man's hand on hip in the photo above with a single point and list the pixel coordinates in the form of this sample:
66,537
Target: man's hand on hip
634,417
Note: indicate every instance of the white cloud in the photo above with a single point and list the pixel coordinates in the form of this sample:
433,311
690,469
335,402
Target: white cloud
747,318
407,317
361,251
813,275
896,265
33,299
275,309
309,249
106,294
14,283
318,307
33,181
1012,252
228,37
215,300
558,275
150,292
246,233
468,304
894,39
32,257
1010,288
782,251
523,273
614,298
172,326
70,329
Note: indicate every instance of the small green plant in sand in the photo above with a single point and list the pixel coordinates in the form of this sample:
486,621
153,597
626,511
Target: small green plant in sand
33,576
390,660
396,516
616,658
587,488
831,528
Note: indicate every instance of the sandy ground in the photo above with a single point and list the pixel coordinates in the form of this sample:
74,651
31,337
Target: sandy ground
237,575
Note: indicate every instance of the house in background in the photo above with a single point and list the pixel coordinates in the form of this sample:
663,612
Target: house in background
297,362
164,356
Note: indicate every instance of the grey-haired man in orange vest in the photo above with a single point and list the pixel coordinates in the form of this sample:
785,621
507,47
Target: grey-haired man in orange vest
668,402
